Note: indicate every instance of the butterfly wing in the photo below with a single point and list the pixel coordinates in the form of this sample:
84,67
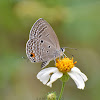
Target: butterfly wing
42,43
42,28
39,50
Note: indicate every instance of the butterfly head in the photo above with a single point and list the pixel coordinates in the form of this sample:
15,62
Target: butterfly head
63,50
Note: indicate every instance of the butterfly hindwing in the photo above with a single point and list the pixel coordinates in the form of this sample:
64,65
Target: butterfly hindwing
41,49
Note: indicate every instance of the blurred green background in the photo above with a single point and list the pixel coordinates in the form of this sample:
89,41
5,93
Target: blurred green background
77,25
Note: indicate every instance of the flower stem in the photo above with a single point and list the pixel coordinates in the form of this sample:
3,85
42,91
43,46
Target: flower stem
62,89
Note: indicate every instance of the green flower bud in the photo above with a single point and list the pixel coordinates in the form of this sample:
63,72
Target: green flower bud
52,96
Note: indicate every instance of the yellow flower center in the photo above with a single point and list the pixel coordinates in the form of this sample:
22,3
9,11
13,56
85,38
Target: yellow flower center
65,64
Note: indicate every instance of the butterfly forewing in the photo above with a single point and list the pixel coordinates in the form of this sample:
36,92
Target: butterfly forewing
43,28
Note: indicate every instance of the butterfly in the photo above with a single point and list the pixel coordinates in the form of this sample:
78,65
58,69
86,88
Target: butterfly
43,45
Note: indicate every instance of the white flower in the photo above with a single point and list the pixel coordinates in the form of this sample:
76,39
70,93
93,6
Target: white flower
48,75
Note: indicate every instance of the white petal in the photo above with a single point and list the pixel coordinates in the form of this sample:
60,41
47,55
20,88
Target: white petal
75,69
49,70
77,79
54,77
44,74
45,78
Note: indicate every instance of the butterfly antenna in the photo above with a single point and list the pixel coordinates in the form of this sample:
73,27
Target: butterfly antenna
71,48
70,53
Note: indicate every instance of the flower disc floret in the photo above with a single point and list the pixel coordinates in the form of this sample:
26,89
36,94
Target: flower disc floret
65,64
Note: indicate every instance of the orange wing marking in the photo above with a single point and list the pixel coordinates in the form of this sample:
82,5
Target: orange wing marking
32,54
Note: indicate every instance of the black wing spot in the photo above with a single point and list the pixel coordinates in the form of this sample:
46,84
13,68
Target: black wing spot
41,41
49,46
31,55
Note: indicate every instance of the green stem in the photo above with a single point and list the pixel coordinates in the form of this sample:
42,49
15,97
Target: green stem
62,89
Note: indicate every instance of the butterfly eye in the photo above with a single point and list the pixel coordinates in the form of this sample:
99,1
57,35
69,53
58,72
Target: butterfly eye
32,55
63,49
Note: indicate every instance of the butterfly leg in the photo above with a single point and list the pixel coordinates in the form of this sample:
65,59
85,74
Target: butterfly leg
64,55
55,61
59,58
44,64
